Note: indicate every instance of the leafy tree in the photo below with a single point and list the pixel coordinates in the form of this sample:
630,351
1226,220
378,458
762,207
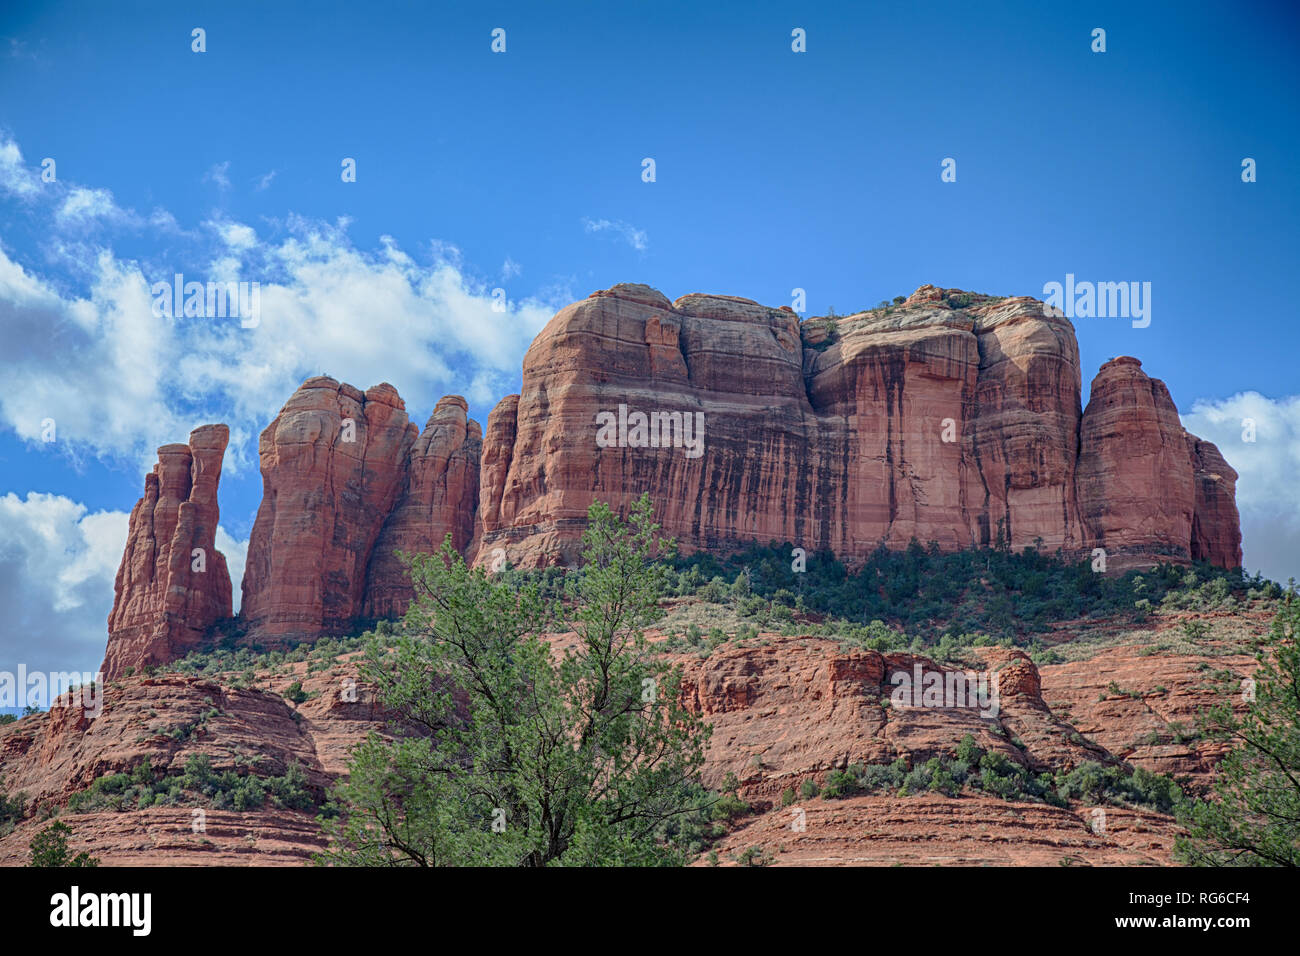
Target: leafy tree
1253,816
504,752
50,848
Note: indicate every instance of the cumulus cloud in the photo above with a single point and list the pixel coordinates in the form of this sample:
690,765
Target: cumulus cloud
57,565
634,237
86,205
96,367
1268,495
118,377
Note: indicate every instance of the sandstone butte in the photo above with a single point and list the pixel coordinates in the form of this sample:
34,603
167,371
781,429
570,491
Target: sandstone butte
953,418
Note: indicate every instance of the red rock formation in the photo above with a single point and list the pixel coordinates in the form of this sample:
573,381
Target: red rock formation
172,584
1146,487
1216,526
333,466
953,418
441,498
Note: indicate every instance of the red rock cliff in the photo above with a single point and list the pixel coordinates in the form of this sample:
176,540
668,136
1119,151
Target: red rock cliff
172,584
440,498
1146,486
333,467
954,418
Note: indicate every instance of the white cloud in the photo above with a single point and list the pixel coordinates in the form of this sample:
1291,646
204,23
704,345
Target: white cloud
634,237
86,205
1268,493
510,268
264,181
14,176
237,236
57,565
326,307
219,174
101,367
236,553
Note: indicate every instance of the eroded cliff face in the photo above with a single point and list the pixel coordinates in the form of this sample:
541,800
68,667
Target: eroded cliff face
349,482
440,498
954,418
1216,526
1146,486
172,584
333,465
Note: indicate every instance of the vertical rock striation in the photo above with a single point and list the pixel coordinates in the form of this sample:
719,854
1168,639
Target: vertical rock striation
440,498
951,418
172,584
333,467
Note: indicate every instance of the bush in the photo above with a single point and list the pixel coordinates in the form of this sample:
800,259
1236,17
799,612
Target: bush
50,848
970,597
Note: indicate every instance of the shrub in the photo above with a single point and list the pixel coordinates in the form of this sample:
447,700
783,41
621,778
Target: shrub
50,848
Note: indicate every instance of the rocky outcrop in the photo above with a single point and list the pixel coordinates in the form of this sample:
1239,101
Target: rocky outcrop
1147,487
953,418
172,584
1216,526
333,468
348,483
440,499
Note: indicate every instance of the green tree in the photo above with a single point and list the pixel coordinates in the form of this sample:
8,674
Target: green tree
50,848
504,752
1253,816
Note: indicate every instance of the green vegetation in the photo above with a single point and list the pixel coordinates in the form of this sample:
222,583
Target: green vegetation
993,773
989,595
1252,818
503,755
832,326
197,783
50,848
11,810
243,660
755,856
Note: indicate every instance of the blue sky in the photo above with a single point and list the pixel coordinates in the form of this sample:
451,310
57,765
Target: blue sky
522,170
